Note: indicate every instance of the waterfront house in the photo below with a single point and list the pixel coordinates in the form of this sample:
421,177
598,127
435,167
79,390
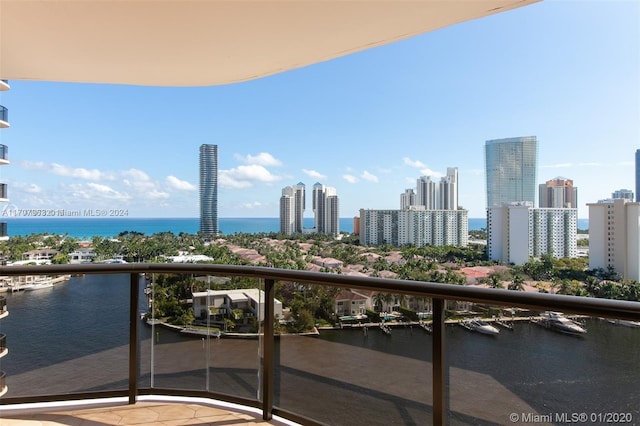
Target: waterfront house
351,302
40,254
220,304
82,255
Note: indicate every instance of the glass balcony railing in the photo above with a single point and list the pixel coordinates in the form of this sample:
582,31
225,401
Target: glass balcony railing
4,114
3,190
3,233
218,331
4,152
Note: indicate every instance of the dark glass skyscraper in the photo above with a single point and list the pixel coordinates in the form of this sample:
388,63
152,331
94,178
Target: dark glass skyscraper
209,189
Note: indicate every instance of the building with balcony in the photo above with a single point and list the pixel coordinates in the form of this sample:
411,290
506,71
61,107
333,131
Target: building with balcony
292,205
416,227
4,160
511,166
209,189
223,303
614,237
326,210
407,199
432,195
558,193
517,232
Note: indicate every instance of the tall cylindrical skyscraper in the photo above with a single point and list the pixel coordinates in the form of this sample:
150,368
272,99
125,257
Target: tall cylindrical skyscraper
209,189
511,167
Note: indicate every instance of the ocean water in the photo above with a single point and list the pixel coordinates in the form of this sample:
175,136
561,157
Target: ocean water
109,227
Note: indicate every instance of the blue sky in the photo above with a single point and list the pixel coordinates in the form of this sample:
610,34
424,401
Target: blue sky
368,124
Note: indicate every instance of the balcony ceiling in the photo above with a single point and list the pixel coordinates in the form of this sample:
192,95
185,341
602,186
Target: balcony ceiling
201,43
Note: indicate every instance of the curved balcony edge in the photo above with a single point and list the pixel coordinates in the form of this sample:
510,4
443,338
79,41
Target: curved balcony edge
27,409
4,85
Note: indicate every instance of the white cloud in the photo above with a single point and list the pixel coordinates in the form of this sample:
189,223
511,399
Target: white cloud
30,188
350,178
429,172
424,170
136,174
368,176
181,185
245,176
314,174
413,163
262,159
96,192
61,170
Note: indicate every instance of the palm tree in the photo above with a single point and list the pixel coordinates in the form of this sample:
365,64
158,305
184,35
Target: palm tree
517,283
494,281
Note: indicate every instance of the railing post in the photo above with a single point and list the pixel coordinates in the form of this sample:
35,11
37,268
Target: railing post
268,350
439,363
134,320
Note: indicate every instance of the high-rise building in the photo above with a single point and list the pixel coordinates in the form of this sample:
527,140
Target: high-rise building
558,193
415,226
448,190
326,210
511,167
407,199
637,171
292,204
4,159
426,192
442,195
209,189
287,211
614,237
627,194
518,232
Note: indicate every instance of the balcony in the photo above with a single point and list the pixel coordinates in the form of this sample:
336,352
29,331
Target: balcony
3,192
4,154
4,117
4,85
351,375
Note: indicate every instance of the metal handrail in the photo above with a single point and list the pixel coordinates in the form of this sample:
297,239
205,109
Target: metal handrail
536,301
438,292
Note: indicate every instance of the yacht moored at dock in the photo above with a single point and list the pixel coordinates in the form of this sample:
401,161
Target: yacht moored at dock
480,326
557,321
626,323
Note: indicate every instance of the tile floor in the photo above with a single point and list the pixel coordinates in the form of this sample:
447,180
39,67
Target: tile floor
141,414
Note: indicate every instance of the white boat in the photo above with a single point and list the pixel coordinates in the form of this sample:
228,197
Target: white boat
480,326
626,323
38,286
559,322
